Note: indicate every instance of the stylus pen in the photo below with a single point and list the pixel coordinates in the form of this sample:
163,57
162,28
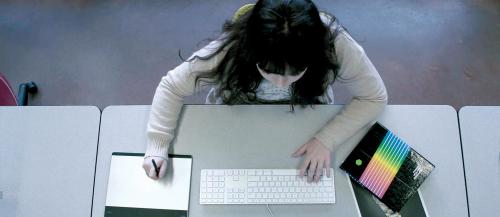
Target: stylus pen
156,167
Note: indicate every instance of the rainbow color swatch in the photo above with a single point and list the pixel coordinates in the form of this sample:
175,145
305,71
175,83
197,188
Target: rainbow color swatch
384,165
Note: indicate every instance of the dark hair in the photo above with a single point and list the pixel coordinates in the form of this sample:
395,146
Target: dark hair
275,33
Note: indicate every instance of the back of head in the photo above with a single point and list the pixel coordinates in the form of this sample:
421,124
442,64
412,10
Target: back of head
285,32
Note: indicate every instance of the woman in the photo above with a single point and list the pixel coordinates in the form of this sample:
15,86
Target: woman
281,51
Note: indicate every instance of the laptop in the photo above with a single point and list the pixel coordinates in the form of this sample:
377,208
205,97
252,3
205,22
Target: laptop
132,193
387,167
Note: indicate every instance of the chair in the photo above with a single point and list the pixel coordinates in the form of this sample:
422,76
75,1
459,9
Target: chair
243,10
7,96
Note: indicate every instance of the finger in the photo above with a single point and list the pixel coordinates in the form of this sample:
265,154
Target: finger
152,174
163,168
319,170
304,166
328,167
300,151
312,168
146,166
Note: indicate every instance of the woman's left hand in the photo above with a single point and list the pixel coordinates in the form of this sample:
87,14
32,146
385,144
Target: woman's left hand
317,157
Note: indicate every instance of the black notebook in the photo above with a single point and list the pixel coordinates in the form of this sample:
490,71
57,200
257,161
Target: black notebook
387,167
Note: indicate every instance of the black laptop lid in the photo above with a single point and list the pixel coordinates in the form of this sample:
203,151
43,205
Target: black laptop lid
387,167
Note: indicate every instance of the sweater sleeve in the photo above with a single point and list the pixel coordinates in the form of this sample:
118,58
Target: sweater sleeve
169,98
363,81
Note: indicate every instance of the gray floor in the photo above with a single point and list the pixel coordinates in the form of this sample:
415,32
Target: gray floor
90,53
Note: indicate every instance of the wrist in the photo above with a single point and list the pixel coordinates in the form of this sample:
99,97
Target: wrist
151,156
322,144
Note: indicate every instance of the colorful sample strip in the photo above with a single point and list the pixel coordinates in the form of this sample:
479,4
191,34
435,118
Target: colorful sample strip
384,164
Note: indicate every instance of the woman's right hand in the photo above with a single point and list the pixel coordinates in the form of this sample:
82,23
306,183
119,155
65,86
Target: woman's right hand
149,168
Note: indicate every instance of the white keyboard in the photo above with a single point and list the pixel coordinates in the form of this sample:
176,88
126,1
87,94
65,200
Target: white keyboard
263,186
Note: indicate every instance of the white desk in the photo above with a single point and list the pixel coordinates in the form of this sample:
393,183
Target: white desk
222,140
480,130
47,160
432,130
234,137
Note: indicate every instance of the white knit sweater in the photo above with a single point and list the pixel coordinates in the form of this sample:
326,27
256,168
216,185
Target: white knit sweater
356,72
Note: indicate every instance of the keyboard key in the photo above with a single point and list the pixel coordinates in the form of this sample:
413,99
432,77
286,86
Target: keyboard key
218,172
253,179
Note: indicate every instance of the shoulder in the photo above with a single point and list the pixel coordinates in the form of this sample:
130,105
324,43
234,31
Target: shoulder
344,42
208,49
208,57
346,46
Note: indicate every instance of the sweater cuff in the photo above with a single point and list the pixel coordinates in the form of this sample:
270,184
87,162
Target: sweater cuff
326,139
157,146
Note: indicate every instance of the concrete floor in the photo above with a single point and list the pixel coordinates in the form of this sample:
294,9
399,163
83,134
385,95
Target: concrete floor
91,53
